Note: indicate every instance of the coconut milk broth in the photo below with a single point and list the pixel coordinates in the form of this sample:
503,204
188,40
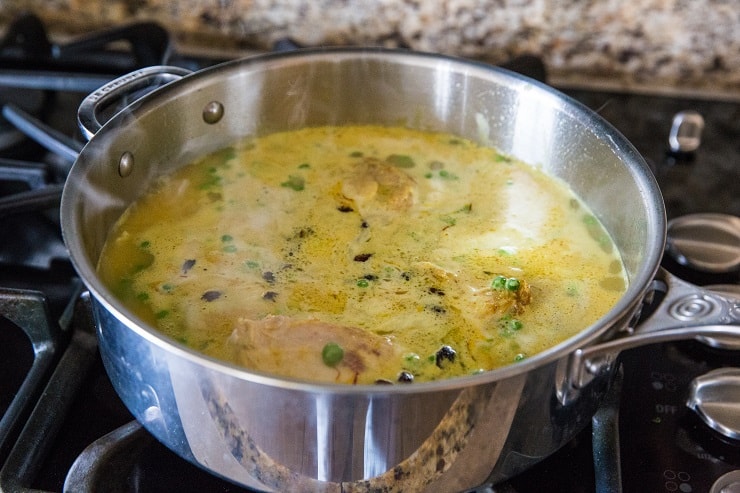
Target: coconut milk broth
395,231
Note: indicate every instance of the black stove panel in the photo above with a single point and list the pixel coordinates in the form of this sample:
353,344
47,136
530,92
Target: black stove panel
671,449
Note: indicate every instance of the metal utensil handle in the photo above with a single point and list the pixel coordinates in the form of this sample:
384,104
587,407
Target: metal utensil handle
117,89
686,312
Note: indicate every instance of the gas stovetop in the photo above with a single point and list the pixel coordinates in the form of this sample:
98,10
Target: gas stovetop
65,429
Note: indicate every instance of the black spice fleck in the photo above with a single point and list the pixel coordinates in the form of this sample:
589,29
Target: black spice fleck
437,309
187,265
445,353
270,296
268,276
405,377
345,208
211,295
305,232
363,257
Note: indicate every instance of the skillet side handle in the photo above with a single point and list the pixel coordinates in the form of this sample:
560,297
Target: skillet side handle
686,312
126,89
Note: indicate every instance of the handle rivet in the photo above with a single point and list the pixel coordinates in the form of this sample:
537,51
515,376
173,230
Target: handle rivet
126,164
213,112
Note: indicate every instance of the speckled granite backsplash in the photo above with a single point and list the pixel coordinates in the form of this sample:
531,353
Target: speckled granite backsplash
689,46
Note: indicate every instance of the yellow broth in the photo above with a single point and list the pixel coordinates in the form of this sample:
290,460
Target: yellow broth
361,254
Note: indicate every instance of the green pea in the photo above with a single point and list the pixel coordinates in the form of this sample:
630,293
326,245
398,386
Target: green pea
412,359
332,354
512,284
401,160
294,182
499,282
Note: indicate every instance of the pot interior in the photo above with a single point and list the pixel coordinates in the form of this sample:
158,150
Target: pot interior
519,117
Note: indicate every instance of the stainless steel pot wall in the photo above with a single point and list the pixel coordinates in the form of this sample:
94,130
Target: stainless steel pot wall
275,434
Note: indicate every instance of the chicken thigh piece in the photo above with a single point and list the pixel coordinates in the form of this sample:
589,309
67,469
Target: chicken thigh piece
313,350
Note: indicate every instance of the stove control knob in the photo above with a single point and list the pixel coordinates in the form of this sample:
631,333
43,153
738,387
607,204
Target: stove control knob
686,130
715,397
709,242
728,483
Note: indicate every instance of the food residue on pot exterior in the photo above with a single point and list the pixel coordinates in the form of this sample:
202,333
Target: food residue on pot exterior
363,254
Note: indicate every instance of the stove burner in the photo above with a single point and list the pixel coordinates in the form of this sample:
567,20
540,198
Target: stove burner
60,388
26,311
46,190
41,86
130,455
104,54
34,70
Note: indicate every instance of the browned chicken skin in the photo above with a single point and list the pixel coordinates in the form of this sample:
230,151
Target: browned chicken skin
377,186
293,348
511,302
493,302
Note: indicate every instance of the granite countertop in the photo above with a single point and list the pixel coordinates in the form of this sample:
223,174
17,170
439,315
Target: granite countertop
669,46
